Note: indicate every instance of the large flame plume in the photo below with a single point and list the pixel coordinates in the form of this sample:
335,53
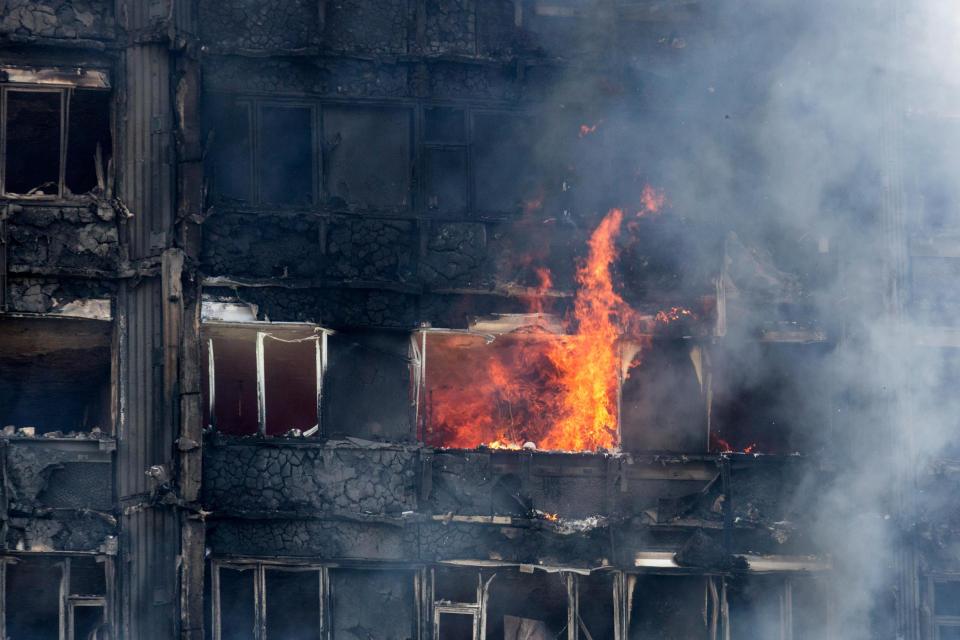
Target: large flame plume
557,392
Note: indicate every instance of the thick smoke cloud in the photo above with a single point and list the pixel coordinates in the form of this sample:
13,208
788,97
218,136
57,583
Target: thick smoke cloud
798,129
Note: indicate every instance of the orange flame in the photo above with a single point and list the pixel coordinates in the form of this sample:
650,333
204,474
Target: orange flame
556,392
674,314
652,200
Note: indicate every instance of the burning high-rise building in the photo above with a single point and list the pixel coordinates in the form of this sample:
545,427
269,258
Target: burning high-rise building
478,320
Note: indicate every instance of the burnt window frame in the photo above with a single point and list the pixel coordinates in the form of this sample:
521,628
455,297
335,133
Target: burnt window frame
254,105
420,371
98,313
467,145
260,566
260,332
52,81
937,621
68,601
486,575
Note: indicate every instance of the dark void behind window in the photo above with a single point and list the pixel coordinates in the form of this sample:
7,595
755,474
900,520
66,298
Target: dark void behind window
33,599
668,607
446,180
237,618
293,604
86,618
372,604
456,626
232,153
368,156
444,126
285,158
89,128
526,605
33,142
661,407
504,175
367,386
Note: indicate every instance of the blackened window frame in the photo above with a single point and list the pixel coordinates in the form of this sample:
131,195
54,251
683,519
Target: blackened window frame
938,621
69,600
421,145
65,92
259,332
260,566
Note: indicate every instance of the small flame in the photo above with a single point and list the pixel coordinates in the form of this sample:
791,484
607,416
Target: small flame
552,517
503,445
673,314
652,200
587,129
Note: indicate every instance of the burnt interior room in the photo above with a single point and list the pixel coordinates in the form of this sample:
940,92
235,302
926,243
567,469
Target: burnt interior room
55,375
479,320
57,141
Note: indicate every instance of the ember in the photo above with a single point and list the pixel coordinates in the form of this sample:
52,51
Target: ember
587,129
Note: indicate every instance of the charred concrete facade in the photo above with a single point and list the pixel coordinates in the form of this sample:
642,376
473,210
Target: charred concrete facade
236,237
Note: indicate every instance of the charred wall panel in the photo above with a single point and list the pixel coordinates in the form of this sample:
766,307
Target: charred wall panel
451,27
59,18
50,294
265,26
368,26
303,478
263,246
371,250
315,539
81,239
330,307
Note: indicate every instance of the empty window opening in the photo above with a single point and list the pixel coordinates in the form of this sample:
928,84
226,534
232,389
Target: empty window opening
445,154
663,403
454,624
527,605
503,162
89,142
55,375
367,386
772,606
264,380
235,600
56,141
673,607
509,391
944,591
595,614
368,604
285,159
292,603
368,161
259,601
457,597
446,174
62,598
772,398
33,139
33,599
232,150
264,152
